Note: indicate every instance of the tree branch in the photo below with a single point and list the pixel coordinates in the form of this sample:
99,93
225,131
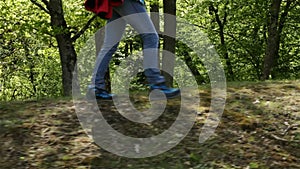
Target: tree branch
86,26
40,6
217,17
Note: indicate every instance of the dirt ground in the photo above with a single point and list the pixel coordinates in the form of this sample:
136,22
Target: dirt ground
260,128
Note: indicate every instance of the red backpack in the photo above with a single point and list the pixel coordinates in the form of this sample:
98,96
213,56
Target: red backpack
102,8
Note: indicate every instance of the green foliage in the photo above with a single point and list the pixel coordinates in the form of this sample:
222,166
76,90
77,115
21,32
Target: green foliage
245,35
29,68
29,58
30,62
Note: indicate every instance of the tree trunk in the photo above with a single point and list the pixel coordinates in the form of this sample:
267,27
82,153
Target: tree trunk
189,62
273,40
65,44
169,42
275,27
221,23
226,55
154,9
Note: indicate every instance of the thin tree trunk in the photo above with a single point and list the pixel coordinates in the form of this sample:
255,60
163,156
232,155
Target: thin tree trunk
154,9
273,40
189,62
169,43
221,23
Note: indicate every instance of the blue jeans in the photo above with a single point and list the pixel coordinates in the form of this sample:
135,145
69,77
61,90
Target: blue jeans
114,30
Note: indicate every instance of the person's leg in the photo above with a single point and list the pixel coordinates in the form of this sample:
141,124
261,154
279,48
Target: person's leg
142,23
135,14
113,33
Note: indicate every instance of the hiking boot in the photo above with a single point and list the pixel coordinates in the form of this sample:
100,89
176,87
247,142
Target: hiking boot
163,89
98,94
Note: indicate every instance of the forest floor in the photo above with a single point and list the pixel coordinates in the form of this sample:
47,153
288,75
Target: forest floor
260,128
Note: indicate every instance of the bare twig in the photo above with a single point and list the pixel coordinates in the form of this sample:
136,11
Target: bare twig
289,128
279,138
282,139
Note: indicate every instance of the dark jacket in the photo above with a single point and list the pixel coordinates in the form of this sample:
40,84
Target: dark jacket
102,8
